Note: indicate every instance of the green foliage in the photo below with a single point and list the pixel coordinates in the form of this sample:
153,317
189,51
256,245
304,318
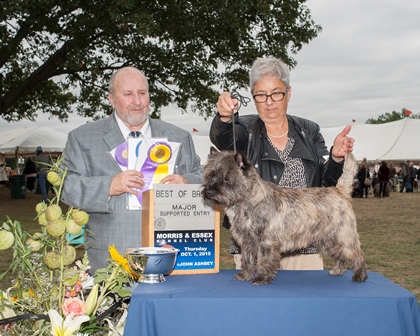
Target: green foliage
46,276
393,116
57,56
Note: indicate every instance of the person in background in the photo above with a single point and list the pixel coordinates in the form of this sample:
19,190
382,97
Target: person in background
376,167
42,164
405,174
362,174
3,174
393,176
383,176
375,179
413,173
97,185
418,177
286,150
364,161
30,172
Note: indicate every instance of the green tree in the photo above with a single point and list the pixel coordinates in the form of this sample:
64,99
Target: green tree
57,56
393,116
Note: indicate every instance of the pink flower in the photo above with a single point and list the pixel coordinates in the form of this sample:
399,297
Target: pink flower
75,306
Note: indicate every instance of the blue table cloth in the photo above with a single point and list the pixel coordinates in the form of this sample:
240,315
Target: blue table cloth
296,303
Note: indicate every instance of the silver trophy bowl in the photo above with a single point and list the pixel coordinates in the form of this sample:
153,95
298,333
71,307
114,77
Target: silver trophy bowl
136,261
154,262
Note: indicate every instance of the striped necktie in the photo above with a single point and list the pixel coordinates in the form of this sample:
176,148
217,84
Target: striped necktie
135,134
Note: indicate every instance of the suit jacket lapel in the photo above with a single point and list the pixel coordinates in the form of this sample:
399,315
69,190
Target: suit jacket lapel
112,133
157,130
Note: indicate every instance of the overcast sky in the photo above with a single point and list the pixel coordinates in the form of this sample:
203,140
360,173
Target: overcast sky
364,63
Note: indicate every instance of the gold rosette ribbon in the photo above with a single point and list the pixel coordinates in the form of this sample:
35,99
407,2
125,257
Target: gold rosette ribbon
156,167
160,154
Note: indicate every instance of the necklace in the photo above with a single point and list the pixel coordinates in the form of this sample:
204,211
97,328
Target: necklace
278,136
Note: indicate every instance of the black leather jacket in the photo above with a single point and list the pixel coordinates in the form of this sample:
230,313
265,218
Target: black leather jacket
251,135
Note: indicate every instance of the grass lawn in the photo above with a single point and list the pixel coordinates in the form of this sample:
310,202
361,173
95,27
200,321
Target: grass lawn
389,230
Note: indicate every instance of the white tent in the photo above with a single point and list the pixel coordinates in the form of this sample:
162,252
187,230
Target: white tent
394,141
26,140
202,146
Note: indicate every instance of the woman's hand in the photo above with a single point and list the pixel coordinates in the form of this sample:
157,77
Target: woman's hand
225,105
342,144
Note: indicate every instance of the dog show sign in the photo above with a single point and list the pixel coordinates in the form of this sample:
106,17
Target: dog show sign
176,215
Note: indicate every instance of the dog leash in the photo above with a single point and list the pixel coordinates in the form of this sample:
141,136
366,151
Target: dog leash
242,101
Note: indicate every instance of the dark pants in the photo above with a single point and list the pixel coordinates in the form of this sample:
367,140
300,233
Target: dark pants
30,183
364,189
42,180
382,190
405,180
412,179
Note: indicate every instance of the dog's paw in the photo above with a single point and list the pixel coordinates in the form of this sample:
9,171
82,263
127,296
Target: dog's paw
242,277
262,280
337,271
359,277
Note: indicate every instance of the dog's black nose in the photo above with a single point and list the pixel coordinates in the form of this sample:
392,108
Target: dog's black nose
208,193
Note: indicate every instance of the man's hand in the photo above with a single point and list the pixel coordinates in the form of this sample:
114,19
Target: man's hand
174,179
126,181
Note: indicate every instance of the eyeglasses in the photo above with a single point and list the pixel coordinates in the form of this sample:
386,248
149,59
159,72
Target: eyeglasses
275,97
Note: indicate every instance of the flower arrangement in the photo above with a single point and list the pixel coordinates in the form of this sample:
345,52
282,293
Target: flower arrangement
52,293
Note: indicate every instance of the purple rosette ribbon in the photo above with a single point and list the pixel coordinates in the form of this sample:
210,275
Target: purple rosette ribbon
155,167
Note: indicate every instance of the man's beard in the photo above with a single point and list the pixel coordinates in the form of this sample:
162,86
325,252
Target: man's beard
134,119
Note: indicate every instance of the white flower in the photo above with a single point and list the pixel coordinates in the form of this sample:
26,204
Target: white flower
92,299
6,312
6,305
67,327
88,284
118,330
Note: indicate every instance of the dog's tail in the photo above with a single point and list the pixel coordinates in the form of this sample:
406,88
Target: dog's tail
346,181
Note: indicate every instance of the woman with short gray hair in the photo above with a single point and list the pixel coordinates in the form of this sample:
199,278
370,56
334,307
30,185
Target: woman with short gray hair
286,150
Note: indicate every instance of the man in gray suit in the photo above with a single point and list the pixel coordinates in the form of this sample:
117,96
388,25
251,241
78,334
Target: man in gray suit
96,184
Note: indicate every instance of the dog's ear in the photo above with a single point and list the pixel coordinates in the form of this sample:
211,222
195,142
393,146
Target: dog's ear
213,151
241,160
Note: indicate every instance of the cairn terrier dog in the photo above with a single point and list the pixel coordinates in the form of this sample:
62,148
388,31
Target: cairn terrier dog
267,220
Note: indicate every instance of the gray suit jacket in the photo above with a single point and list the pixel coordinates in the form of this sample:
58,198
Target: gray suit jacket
90,171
